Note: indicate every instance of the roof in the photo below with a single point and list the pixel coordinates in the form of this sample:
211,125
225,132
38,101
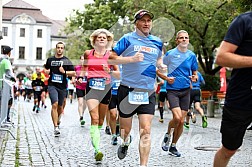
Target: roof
18,7
57,27
19,4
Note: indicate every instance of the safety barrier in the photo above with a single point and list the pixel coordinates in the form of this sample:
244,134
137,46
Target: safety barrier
6,92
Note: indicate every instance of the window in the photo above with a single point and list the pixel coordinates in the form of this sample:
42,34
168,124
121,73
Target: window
39,33
5,31
21,52
22,32
39,54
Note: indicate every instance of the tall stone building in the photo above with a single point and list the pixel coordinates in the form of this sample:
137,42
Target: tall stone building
31,35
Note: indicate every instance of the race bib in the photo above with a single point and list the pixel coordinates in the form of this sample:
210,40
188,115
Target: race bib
116,84
138,97
97,83
84,80
57,78
38,88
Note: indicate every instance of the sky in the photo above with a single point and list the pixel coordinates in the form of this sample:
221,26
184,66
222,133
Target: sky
56,9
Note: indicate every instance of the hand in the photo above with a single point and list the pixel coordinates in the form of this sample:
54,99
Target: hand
106,68
170,80
79,80
138,57
194,78
61,69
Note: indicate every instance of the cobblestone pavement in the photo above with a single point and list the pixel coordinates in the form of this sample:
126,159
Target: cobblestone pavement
36,146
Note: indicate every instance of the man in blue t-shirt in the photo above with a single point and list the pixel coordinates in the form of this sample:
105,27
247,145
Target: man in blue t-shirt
182,69
195,97
139,52
236,52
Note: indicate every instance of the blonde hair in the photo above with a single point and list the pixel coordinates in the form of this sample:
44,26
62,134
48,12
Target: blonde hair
109,35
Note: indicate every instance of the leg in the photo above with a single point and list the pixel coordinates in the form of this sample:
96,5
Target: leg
161,111
103,110
112,121
201,111
93,106
80,106
43,98
145,139
54,113
107,130
125,127
177,123
222,157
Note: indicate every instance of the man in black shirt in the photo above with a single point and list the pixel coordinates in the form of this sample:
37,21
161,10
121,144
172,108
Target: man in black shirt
58,67
236,52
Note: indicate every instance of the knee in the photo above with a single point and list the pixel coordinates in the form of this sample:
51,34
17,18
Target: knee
177,120
112,116
55,106
228,153
145,130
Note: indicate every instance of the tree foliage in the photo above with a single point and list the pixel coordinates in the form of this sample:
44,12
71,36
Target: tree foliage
205,20
100,14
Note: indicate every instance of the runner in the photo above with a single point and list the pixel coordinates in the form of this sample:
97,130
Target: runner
139,52
98,86
80,84
59,67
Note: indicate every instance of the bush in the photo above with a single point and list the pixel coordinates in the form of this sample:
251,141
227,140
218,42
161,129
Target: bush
212,83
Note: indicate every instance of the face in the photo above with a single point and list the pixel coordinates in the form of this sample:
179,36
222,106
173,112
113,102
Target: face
101,40
144,24
81,59
60,49
182,40
37,70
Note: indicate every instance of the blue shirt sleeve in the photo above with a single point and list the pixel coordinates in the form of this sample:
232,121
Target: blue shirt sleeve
121,45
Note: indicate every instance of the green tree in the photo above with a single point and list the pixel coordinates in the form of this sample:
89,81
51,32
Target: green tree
100,14
243,5
205,20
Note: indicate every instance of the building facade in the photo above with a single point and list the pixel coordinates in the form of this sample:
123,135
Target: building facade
31,35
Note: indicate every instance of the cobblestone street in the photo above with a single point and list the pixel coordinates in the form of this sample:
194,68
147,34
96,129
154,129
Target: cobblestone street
35,144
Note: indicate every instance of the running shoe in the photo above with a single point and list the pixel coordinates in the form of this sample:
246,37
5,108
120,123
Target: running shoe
186,125
193,117
161,120
166,141
123,149
173,151
34,108
38,109
107,130
204,121
82,122
98,156
114,140
56,132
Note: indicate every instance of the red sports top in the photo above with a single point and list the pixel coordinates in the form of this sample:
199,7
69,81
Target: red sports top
95,66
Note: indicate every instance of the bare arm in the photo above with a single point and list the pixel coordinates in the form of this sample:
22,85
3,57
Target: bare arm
227,58
114,59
